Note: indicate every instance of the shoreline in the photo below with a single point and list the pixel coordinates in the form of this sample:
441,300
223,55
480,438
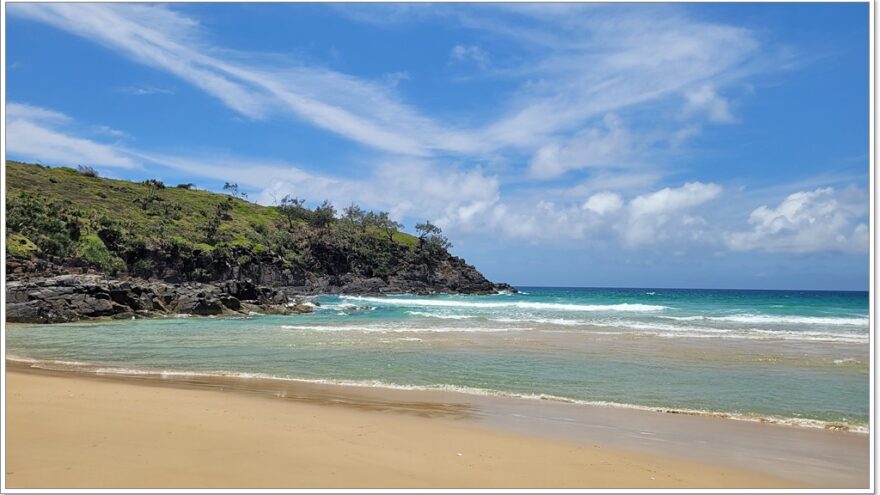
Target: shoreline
156,374
829,458
74,431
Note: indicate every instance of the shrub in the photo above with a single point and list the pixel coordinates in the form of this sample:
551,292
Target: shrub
87,171
158,184
21,247
142,268
92,249
188,185
52,227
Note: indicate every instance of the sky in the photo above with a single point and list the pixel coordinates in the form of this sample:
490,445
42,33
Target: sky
594,145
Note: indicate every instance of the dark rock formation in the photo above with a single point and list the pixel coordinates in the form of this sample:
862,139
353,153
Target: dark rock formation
72,297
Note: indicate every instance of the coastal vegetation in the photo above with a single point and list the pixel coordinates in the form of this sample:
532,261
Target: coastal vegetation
73,217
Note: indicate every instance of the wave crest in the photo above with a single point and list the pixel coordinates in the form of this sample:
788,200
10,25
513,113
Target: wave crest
449,303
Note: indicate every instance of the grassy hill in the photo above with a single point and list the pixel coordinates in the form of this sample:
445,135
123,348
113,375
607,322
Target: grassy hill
173,232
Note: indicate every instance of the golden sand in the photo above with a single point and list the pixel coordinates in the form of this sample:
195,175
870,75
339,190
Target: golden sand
75,431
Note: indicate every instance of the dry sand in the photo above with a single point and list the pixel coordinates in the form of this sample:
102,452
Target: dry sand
70,431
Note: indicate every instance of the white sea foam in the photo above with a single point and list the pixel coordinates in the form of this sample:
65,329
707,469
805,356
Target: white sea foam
451,303
847,361
546,321
681,331
631,328
388,328
442,316
61,362
342,307
167,374
779,319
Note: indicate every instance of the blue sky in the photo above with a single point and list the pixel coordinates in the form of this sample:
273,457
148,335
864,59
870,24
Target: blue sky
647,145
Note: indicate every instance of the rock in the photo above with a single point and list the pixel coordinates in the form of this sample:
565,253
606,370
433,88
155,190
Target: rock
97,307
231,302
303,308
198,305
42,292
26,312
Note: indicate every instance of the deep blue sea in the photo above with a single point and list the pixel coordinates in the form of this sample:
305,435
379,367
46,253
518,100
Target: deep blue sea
788,356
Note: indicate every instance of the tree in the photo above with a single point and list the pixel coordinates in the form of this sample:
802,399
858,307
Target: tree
292,209
154,183
213,222
323,215
431,237
354,214
427,229
87,171
232,188
388,225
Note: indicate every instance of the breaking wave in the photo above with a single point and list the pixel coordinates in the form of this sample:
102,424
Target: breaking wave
450,303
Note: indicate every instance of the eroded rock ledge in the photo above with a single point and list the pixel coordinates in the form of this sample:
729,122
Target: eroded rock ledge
71,297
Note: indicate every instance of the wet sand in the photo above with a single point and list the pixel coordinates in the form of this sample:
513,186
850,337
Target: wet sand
79,430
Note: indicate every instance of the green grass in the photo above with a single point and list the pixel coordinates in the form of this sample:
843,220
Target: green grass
247,225
118,199
20,246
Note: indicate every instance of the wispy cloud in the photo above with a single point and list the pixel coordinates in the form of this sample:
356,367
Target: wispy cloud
471,53
145,90
360,110
704,100
610,146
394,78
23,111
41,135
574,68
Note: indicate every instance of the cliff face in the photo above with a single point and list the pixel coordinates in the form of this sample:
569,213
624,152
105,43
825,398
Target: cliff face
62,221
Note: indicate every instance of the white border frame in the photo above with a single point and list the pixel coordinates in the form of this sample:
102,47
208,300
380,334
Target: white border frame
872,12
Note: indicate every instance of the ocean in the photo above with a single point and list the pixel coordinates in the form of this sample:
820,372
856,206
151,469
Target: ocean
794,357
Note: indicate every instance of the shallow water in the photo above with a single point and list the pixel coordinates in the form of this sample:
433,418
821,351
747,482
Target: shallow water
799,357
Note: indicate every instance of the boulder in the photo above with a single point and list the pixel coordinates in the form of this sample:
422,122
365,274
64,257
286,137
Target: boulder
231,302
196,305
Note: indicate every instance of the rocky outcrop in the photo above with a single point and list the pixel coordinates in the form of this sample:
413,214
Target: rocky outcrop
73,297
449,274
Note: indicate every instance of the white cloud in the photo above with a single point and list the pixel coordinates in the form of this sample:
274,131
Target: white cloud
808,221
604,202
32,113
704,100
655,218
607,147
663,214
157,36
109,131
393,79
38,134
462,53
619,59
405,188
574,64
145,90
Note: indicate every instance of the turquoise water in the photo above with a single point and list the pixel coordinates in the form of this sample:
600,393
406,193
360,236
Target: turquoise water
798,357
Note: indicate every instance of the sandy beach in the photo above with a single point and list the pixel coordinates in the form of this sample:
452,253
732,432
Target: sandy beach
67,430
